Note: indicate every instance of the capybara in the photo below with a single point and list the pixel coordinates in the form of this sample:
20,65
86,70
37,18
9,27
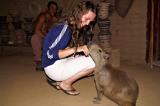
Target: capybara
112,82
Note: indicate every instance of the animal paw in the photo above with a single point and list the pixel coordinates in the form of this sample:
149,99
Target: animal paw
96,100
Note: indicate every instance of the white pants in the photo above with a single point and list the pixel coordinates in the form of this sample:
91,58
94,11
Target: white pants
65,68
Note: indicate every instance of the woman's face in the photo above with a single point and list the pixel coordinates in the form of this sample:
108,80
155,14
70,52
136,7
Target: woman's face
87,18
52,9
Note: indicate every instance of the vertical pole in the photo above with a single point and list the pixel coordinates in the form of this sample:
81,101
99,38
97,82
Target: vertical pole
151,38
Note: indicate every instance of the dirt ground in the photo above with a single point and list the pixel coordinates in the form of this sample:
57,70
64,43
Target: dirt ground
21,85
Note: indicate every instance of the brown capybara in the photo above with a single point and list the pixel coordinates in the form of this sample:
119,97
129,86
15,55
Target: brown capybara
112,82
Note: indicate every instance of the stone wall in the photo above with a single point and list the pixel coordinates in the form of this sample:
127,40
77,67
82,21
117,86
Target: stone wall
129,33
23,7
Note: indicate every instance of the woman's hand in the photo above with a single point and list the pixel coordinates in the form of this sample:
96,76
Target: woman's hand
68,51
83,49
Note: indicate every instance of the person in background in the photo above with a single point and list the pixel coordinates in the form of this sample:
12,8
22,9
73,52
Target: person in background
58,60
43,23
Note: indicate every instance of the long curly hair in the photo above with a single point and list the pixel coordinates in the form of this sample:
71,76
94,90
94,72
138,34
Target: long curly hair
74,19
82,8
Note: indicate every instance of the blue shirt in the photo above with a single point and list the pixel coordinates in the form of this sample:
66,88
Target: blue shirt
50,48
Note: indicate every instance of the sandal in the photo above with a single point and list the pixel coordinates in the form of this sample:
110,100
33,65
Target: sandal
54,84
72,91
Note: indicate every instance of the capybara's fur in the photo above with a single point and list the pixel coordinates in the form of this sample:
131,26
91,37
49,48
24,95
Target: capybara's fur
112,82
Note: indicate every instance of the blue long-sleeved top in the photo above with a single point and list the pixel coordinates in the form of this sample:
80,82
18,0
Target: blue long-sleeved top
53,43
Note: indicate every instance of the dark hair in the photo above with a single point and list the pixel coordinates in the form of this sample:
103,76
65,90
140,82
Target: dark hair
82,8
52,2
88,6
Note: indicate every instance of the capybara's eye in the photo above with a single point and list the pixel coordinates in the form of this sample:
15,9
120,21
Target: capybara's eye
100,50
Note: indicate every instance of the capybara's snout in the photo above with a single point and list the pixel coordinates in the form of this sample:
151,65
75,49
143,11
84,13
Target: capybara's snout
97,54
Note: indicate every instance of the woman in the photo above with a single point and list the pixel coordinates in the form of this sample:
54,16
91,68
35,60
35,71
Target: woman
44,22
57,59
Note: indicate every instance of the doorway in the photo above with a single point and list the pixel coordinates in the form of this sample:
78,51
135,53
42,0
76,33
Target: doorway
153,33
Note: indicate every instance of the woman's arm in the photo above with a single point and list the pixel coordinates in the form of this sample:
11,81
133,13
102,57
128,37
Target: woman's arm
69,51
39,25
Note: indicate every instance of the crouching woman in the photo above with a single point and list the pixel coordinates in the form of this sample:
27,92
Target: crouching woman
58,61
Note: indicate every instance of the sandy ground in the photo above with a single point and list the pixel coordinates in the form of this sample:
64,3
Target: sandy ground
21,85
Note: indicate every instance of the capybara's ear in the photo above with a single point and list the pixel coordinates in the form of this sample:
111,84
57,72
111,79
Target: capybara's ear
106,55
89,44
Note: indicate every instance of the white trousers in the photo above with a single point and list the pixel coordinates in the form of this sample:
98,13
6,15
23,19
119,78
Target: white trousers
65,68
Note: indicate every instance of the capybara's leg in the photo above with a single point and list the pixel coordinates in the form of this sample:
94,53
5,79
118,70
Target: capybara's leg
97,99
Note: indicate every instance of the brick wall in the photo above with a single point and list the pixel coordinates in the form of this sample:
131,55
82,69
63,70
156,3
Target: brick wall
27,8
129,33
